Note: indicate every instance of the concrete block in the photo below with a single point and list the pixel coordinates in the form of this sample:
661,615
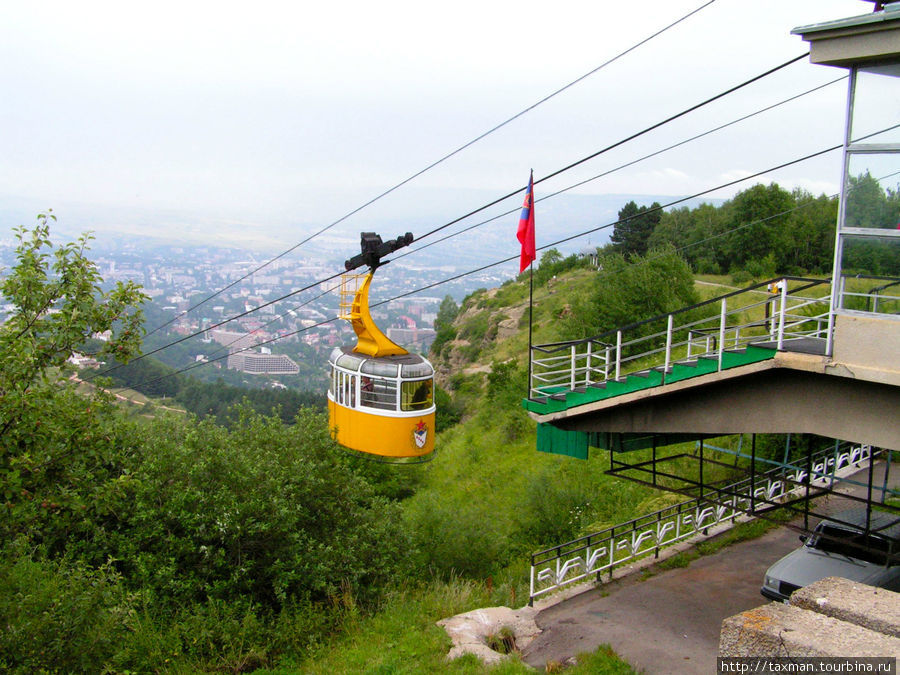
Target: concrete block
874,608
777,629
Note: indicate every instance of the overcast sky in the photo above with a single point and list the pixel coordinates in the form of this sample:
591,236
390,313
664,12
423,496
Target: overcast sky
279,117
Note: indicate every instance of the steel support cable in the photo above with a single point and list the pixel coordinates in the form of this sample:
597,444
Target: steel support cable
437,162
515,257
625,166
696,106
224,356
493,203
653,210
638,134
277,318
624,220
555,173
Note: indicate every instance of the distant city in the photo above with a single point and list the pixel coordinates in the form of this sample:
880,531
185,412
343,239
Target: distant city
287,340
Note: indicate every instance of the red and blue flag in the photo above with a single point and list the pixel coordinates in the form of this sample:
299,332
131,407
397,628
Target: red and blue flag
526,227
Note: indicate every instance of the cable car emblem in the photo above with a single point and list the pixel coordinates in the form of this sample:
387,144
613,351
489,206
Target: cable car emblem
420,434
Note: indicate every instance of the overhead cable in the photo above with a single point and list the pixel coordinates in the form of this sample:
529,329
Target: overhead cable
435,163
621,142
516,257
497,201
624,166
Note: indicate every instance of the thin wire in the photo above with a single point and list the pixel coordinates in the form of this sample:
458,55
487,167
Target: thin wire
621,142
434,164
608,225
216,325
496,201
515,257
277,318
623,166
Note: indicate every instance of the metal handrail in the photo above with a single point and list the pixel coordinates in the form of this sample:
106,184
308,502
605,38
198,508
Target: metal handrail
565,366
604,551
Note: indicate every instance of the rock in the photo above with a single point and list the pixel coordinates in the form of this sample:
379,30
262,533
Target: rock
469,631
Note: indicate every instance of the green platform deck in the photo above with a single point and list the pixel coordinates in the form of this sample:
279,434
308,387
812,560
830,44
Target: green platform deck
575,443
563,399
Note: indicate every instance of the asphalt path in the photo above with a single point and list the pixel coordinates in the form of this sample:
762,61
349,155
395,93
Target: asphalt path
669,622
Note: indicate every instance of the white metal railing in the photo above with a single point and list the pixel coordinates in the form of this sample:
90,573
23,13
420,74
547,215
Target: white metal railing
705,330
872,294
592,555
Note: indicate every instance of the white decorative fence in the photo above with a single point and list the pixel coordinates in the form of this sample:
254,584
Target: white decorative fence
604,551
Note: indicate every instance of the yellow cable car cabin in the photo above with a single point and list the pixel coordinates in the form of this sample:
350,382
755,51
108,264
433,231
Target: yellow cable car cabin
380,396
382,405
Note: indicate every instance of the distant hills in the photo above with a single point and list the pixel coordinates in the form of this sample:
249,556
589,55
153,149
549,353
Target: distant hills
420,211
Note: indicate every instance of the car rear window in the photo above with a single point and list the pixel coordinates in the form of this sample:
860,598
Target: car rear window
868,548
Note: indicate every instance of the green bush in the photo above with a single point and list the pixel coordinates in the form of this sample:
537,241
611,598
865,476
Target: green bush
457,535
475,328
262,511
60,616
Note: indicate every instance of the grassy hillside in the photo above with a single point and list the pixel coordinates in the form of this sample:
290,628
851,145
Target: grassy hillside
493,324
488,499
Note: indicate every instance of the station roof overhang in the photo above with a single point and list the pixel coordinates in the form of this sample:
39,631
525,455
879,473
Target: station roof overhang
860,40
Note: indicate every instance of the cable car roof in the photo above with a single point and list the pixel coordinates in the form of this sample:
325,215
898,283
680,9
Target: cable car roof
408,359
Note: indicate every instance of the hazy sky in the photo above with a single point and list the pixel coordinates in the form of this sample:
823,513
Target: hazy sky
277,117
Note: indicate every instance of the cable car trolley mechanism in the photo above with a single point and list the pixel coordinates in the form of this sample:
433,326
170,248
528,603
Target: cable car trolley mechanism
380,396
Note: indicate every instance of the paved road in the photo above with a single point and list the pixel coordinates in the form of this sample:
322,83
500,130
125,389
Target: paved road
670,622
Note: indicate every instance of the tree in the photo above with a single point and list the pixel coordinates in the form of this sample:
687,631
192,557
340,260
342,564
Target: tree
811,231
631,233
867,203
697,233
628,291
762,213
550,257
446,314
443,324
52,447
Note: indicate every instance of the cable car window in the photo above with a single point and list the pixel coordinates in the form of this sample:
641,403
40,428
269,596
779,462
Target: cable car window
416,395
379,368
417,370
351,390
349,362
338,386
378,393
335,354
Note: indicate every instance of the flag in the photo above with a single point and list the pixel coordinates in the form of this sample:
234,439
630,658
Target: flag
526,227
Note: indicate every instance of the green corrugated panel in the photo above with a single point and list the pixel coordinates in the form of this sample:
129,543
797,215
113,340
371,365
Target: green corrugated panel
562,442
626,442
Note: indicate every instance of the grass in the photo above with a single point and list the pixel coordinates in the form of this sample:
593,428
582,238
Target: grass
404,638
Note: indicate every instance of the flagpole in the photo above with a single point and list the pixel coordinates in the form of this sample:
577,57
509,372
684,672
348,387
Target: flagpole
530,305
525,235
